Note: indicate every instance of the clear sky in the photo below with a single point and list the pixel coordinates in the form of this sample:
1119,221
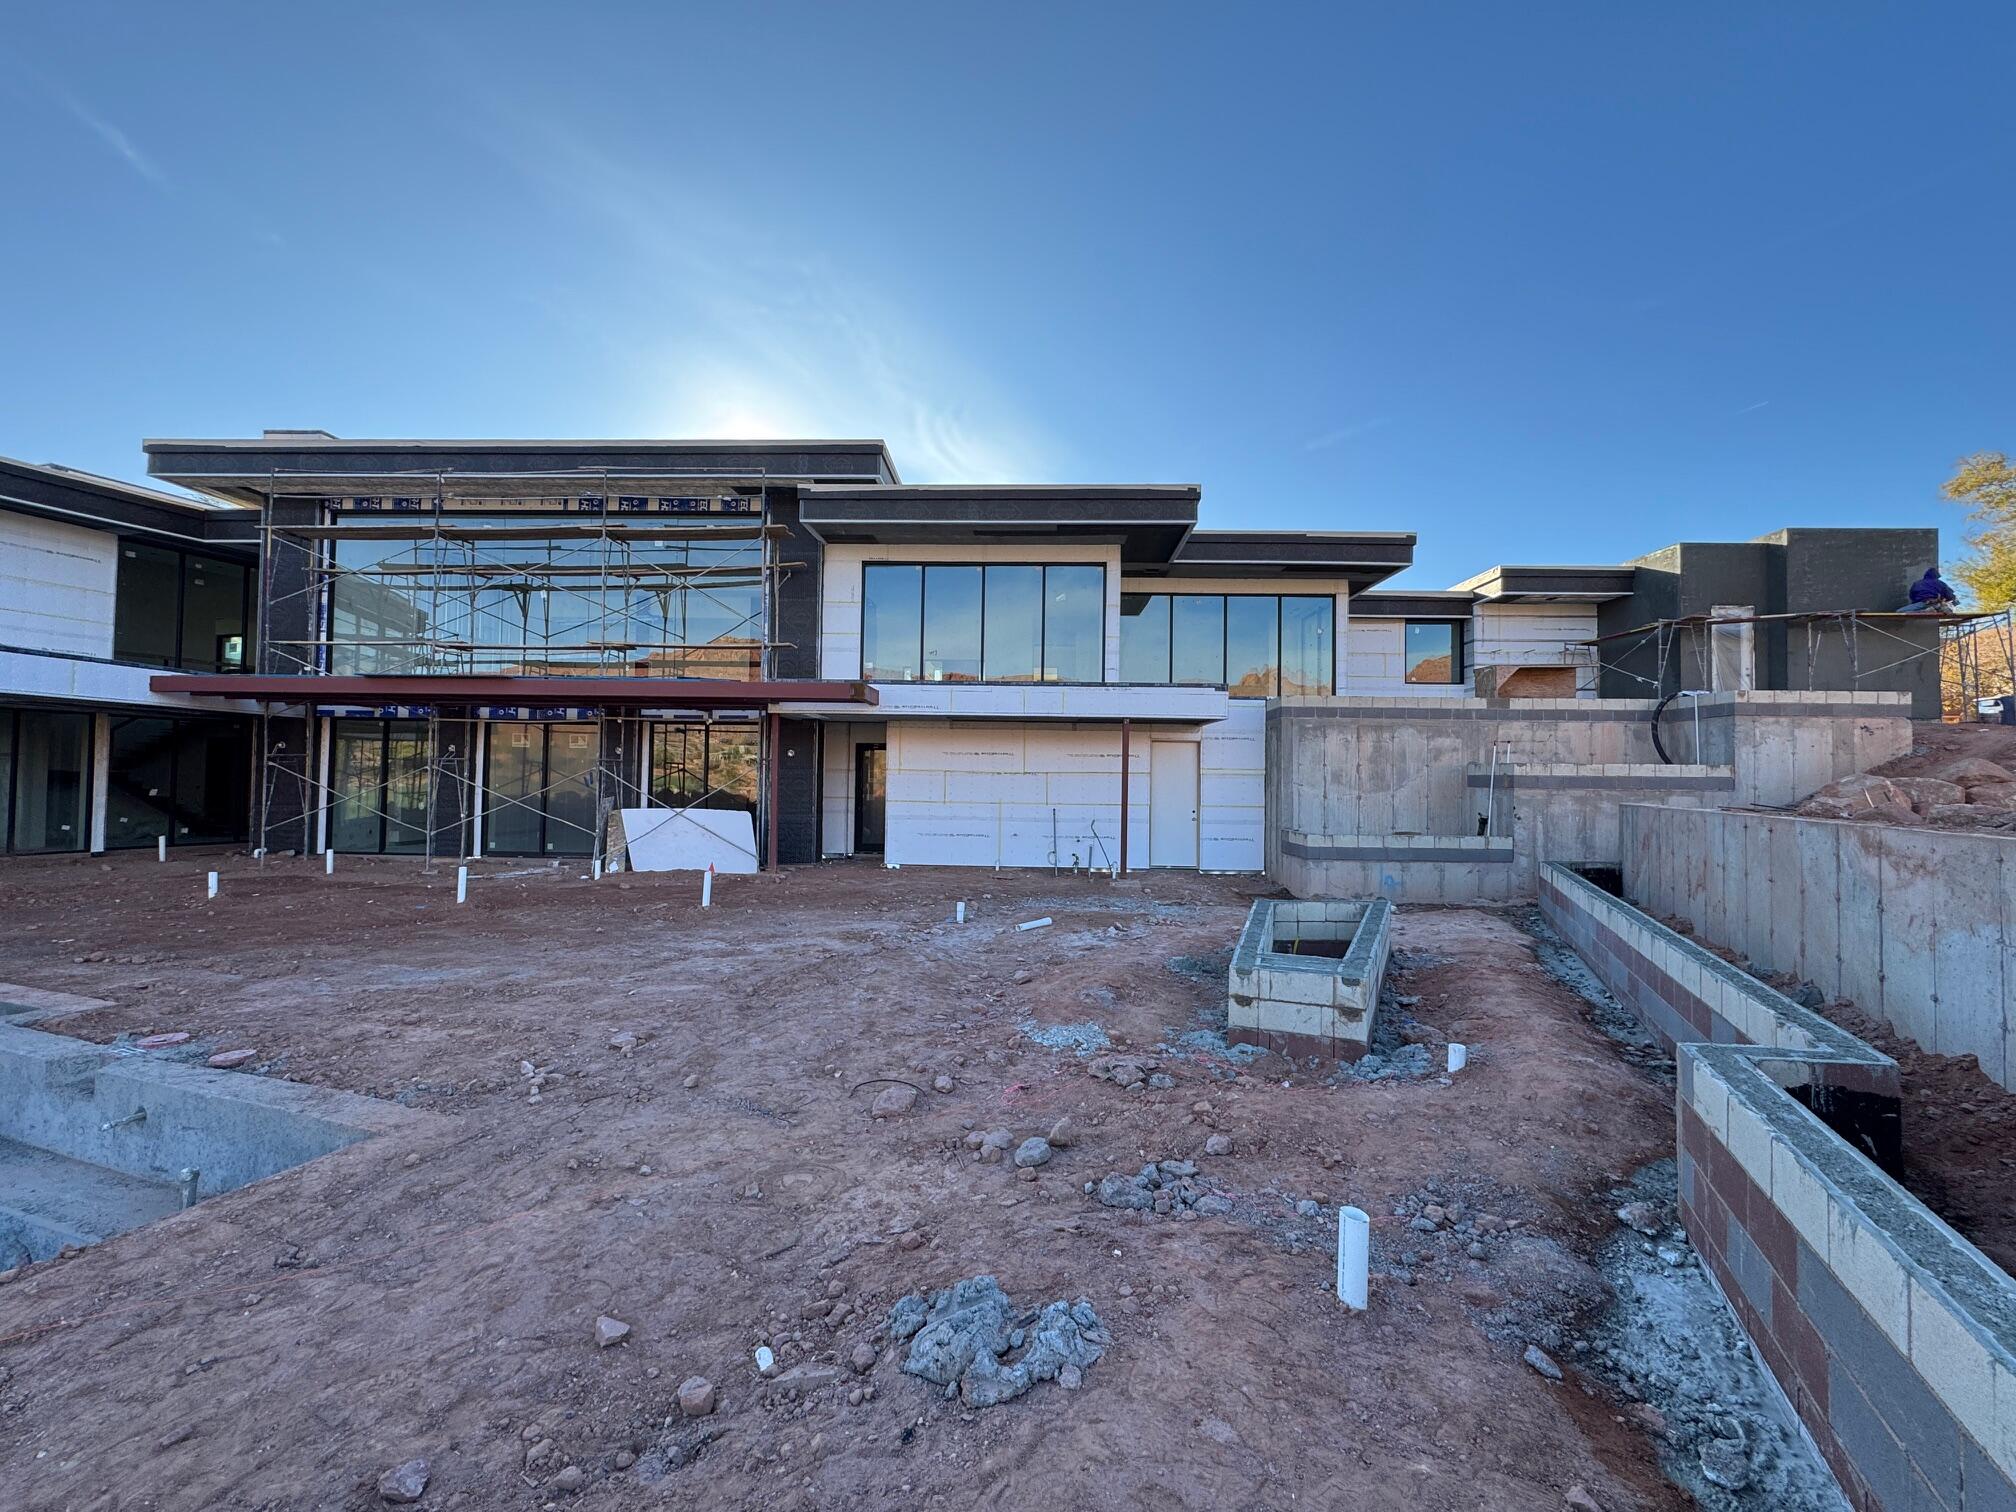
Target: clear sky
1540,282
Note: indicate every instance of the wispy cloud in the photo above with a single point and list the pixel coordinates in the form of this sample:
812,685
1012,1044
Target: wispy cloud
749,338
1345,433
1749,408
121,144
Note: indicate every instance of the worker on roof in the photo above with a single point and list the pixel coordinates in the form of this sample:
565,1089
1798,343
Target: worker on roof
1932,594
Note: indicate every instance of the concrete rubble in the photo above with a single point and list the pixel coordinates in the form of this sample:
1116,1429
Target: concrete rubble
961,1337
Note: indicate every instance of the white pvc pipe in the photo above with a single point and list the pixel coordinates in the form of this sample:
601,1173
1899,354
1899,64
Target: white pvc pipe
598,868
1459,1057
160,847
212,886
959,916
1354,1255
707,887
461,884
328,863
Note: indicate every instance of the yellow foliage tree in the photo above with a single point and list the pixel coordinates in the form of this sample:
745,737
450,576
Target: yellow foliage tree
1986,484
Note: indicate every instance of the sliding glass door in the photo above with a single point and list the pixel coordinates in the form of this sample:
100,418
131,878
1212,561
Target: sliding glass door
539,795
378,786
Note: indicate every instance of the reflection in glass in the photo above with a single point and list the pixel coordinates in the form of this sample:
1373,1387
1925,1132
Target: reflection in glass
1014,628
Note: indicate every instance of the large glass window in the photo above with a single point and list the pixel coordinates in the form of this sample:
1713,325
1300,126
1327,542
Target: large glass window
561,604
174,609
1254,645
51,781
1308,629
1434,652
892,623
1144,637
146,620
1014,624
713,766
378,778
540,790
1197,639
958,623
952,624
186,779
1074,624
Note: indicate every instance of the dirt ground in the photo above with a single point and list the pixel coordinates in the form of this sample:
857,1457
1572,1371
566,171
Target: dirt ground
283,1345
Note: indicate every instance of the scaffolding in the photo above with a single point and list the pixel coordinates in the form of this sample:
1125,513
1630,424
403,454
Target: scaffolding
606,568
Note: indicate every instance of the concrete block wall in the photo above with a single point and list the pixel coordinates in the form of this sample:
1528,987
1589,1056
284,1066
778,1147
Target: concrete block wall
1910,924
1375,662
1892,1337
1308,1004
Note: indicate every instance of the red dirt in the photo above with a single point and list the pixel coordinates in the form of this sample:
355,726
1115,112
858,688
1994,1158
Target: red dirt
281,1346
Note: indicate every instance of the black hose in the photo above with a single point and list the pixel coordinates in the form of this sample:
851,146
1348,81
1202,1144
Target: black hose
1657,744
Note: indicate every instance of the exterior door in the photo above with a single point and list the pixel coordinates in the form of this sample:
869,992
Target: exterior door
871,796
1172,803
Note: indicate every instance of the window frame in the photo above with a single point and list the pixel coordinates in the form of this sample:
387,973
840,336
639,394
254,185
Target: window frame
179,660
1457,668
1225,637
1042,624
12,716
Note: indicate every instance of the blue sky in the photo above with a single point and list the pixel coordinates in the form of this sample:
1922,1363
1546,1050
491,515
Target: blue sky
1540,282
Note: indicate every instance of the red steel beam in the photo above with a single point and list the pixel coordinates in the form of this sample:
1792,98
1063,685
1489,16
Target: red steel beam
634,692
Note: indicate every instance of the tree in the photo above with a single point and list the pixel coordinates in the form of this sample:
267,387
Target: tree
1986,483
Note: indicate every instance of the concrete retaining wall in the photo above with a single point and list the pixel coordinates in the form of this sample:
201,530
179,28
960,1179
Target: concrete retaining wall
1415,769
1909,924
1893,1338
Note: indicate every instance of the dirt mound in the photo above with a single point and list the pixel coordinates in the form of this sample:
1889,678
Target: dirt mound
1956,777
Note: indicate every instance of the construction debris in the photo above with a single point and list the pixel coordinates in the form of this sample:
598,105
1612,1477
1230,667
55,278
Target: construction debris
960,1338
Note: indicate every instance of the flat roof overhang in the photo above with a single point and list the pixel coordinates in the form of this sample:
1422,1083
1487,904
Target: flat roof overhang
1148,522
1543,585
299,464
1401,604
624,692
1362,558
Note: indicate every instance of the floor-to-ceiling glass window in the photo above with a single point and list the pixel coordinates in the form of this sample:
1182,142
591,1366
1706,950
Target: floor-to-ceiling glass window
712,765
175,609
961,623
185,779
378,786
528,592
1255,645
50,781
540,790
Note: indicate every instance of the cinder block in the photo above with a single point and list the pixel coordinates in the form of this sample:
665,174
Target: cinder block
1879,1458
1749,1140
1869,1271
1796,1192
1954,1360
1983,1485
1711,1100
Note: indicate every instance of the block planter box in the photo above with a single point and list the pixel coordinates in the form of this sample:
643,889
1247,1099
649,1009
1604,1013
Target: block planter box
1305,977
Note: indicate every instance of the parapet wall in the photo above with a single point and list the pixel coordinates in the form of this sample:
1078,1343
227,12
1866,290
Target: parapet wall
1893,1338
1366,781
1908,924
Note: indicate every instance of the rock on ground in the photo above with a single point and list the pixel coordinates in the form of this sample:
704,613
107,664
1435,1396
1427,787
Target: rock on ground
609,1331
404,1483
961,1334
696,1396
893,1102
1032,1152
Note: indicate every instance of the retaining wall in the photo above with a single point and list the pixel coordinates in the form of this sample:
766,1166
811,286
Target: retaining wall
1910,924
1377,777
1893,1338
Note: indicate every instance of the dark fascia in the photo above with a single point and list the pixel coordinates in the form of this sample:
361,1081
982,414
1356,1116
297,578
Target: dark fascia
1401,604
94,503
1361,557
248,470
1592,585
1148,522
